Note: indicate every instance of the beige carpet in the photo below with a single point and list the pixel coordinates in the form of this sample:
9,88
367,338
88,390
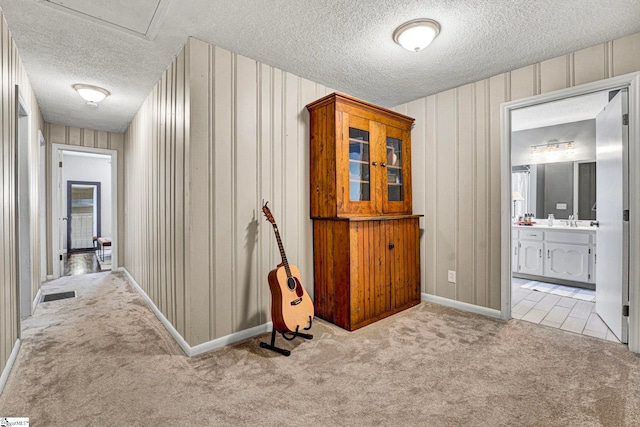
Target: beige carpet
104,359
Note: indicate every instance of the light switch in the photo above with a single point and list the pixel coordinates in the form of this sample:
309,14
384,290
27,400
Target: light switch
451,276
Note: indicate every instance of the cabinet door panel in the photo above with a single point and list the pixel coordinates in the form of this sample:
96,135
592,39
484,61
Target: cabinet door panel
370,277
592,264
530,259
396,166
567,262
358,179
396,248
404,251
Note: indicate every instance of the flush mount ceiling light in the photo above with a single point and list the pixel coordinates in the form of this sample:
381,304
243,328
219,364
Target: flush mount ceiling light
417,34
92,94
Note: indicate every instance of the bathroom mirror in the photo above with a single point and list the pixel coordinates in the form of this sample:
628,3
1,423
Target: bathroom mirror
561,189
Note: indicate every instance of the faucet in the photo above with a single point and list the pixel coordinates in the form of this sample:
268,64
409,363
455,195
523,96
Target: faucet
573,221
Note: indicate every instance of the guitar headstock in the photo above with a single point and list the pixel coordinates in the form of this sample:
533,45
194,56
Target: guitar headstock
268,214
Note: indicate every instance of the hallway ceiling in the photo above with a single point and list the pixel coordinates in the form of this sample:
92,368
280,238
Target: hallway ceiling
125,46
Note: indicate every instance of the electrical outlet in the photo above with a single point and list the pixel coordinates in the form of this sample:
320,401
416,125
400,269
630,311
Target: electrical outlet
451,277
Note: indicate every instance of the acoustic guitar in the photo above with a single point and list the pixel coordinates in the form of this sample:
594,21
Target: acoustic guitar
291,307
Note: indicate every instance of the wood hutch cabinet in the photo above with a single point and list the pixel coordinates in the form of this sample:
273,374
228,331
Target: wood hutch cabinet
365,237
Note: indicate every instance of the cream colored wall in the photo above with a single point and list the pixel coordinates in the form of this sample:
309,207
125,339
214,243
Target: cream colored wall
79,137
218,134
456,165
156,184
12,73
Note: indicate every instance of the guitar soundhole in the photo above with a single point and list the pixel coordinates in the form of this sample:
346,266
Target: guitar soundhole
291,283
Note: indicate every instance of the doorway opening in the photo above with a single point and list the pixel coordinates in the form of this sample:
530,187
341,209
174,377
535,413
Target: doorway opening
568,185
83,228
554,163
84,210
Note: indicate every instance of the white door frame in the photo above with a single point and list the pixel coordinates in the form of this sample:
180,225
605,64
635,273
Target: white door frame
23,224
55,203
632,81
43,181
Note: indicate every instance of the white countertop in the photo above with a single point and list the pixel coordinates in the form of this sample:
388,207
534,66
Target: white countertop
558,224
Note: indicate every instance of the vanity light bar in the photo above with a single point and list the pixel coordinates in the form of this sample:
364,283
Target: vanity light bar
566,147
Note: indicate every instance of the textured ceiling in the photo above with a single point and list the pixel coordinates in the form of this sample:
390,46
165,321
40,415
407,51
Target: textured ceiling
575,109
344,44
135,16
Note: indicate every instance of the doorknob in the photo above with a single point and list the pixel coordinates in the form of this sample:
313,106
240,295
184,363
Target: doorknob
64,219
596,223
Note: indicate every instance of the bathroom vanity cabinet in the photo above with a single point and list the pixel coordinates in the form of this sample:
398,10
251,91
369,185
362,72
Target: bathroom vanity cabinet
564,253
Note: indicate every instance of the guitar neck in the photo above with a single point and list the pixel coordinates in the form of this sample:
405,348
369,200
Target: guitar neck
282,254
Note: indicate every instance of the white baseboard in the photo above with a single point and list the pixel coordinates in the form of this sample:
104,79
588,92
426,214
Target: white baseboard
230,339
472,308
7,368
200,348
36,301
49,277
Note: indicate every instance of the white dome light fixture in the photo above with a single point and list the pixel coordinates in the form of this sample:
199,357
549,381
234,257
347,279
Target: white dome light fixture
92,94
417,34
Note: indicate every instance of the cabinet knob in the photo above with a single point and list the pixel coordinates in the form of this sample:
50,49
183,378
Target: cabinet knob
383,164
374,163
391,246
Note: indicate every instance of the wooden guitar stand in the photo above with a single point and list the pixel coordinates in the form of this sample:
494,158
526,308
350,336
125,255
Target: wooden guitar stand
295,334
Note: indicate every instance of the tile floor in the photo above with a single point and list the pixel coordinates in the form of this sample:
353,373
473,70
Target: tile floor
81,263
556,311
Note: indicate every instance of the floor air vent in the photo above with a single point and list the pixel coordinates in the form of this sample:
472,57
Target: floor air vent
58,296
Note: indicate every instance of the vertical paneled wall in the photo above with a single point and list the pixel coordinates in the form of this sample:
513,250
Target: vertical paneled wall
456,159
79,137
156,186
219,134
12,73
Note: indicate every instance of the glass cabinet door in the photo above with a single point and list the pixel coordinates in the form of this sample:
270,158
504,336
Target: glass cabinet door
397,199
395,189
359,172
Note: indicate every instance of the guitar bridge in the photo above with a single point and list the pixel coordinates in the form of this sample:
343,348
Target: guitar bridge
296,301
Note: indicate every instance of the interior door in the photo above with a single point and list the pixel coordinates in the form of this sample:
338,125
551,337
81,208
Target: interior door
83,214
612,280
